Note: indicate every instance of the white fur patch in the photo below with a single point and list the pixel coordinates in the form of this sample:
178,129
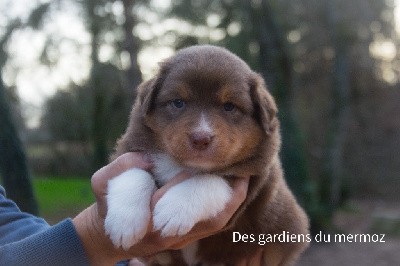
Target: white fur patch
185,204
204,125
165,168
128,200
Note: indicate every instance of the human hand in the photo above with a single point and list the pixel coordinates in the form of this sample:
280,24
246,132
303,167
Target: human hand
90,223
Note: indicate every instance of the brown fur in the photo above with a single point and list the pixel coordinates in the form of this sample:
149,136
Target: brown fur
246,143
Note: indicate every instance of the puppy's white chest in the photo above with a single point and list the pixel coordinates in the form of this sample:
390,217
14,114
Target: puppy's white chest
164,168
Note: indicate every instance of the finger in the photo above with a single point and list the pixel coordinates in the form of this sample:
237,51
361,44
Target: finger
125,162
117,167
240,186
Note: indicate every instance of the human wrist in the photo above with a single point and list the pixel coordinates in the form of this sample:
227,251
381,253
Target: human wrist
98,247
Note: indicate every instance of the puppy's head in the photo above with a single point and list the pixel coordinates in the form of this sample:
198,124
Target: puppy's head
207,109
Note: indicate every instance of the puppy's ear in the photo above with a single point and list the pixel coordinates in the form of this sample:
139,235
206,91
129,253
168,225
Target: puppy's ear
146,96
264,104
148,90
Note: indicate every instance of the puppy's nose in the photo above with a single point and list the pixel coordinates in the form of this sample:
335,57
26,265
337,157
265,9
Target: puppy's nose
201,140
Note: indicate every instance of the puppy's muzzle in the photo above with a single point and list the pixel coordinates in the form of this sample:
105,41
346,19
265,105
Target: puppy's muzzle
201,140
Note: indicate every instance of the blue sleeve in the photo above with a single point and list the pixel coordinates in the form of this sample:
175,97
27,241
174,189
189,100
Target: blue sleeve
14,224
28,240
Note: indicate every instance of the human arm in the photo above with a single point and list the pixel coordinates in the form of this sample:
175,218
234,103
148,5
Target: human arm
12,218
28,240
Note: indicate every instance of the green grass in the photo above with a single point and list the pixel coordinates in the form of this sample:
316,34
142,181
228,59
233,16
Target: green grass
62,198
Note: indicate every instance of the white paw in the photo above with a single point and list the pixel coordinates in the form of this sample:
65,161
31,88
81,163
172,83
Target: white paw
126,228
196,199
128,204
172,217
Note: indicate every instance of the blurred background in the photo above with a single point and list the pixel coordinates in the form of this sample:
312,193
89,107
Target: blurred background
69,69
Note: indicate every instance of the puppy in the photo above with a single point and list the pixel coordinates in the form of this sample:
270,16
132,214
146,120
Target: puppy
206,112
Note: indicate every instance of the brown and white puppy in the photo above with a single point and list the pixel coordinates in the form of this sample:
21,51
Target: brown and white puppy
207,112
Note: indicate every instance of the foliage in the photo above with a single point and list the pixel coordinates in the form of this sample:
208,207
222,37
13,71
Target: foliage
67,115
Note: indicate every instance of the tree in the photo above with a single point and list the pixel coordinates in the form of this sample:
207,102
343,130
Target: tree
131,45
102,73
67,115
13,165
340,38
276,67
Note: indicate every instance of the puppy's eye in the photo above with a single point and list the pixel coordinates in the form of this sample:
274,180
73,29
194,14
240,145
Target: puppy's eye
229,107
178,103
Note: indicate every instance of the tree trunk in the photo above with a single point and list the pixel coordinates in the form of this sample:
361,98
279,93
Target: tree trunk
276,68
131,45
99,129
340,109
13,165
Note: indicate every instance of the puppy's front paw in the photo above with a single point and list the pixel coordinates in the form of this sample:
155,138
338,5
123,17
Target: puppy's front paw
196,199
172,216
126,227
128,204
